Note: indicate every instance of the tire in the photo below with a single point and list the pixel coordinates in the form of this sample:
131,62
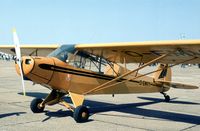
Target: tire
167,98
81,114
35,105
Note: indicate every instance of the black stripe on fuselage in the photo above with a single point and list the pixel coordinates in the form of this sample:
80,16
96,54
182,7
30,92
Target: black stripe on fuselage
75,72
80,73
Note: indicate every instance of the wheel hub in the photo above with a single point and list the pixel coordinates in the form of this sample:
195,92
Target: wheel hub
40,106
84,115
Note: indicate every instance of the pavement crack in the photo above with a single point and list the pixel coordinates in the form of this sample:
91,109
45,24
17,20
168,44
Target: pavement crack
20,123
123,125
190,127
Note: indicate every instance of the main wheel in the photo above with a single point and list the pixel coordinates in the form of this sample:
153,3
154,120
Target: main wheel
35,105
81,114
167,98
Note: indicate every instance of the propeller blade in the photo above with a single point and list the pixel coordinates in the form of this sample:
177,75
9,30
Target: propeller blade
18,57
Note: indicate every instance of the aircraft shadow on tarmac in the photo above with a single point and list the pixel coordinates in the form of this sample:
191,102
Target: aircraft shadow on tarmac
172,101
11,114
130,108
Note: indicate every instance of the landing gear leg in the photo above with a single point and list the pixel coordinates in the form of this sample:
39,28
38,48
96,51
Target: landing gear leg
38,105
167,97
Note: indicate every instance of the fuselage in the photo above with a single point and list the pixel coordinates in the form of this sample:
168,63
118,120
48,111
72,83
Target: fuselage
56,74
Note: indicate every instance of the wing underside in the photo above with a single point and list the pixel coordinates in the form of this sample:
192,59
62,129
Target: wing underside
37,50
184,51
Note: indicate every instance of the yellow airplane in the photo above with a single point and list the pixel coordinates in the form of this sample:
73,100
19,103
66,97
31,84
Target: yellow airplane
88,69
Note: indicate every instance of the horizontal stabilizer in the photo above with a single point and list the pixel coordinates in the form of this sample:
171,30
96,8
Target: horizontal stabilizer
178,85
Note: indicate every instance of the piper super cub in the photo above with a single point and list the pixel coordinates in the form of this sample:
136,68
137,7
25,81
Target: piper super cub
89,69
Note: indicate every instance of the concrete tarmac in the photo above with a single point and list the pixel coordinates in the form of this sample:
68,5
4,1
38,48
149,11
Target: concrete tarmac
123,112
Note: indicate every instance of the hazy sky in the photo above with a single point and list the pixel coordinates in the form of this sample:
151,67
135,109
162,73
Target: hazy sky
91,21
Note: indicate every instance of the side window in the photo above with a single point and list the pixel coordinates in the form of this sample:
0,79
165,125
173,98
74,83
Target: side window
79,62
87,62
76,61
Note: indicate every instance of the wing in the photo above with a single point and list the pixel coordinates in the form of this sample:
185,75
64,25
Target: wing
40,50
178,85
136,52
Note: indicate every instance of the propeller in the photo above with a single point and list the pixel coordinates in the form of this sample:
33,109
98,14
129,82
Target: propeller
18,58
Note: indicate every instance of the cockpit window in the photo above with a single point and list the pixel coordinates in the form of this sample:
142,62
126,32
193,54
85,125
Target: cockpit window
79,59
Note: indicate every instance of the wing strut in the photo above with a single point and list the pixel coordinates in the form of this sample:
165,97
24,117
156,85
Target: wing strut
142,75
128,73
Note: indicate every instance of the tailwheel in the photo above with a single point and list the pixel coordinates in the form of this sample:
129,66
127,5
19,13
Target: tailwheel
36,105
167,97
81,114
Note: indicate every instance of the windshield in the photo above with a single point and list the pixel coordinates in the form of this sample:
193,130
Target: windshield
63,52
79,59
